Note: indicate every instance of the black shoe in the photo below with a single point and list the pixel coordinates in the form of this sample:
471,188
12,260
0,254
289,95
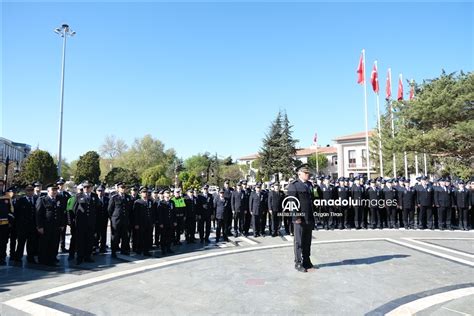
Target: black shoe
236,235
300,268
90,260
169,251
226,239
208,241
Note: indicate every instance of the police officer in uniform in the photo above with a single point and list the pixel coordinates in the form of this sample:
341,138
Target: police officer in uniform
49,223
407,199
343,193
257,205
145,216
63,196
190,216
6,218
180,210
275,200
358,193
245,206
462,198
119,209
373,194
205,213
238,195
25,216
425,201
85,208
102,219
220,206
302,189
328,195
443,198
390,195
228,210
167,222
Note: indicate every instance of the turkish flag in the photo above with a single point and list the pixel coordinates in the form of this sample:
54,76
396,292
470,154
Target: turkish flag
400,89
360,70
374,78
315,139
388,88
412,91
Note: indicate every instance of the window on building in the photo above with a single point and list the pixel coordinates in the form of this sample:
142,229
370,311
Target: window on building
352,158
334,161
364,158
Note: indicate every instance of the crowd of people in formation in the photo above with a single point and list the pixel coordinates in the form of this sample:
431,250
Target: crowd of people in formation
142,218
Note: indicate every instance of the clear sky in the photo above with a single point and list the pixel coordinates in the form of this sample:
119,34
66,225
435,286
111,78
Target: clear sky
210,76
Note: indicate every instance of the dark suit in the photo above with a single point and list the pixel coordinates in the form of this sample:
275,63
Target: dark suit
374,194
237,205
220,206
407,199
303,191
443,198
358,193
275,200
166,221
85,207
327,195
119,212
190,215
63,197
145,215
25,216
51,219
102,222
204,211
257,207
424,198
390,196
462,201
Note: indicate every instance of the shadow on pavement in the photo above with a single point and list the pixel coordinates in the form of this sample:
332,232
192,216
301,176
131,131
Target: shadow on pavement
368,260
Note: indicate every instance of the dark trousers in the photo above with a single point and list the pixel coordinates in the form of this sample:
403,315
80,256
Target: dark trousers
157,235
145,236
101,233
62,239
327,219
247,222
263,222
204,228
13,239
121,236
166,237
179,229
275,223
374,217
346,215
48,245
190,228
84,241
221,227
444,217
239,219
426,217
408,217
382,215
4,232
392,216
228,220
463,217
288,223
256,225
358,216
72,241
302,244
30,238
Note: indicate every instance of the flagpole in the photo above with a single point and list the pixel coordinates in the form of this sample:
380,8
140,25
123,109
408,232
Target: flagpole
393,127
379,128
416,164
405,159
366,119
317,162
424,161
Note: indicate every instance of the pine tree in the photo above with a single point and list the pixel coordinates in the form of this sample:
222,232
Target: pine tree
88,167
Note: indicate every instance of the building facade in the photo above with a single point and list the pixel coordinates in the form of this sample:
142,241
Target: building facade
12,155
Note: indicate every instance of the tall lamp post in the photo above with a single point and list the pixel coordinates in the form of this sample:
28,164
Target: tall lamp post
64,31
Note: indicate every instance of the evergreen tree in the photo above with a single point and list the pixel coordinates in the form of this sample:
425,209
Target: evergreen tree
39,165
88,167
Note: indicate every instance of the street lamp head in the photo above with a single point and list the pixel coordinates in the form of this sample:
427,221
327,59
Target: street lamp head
57,31
73,33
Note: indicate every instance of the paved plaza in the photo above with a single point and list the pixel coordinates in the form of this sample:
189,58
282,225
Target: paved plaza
373,272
